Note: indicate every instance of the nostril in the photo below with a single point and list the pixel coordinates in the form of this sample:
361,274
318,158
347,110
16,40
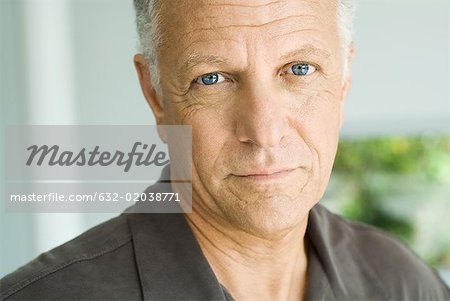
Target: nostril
266,136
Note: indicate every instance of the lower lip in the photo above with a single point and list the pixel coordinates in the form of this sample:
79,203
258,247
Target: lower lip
269,177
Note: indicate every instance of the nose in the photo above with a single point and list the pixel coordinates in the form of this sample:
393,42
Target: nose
261,116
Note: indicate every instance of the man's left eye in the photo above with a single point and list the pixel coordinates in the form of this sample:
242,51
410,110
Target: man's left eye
301,69
210,79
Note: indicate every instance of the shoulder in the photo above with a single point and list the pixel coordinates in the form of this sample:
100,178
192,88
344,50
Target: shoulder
401,273
77,269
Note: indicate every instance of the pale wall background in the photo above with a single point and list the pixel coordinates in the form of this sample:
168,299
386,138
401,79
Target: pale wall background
70,62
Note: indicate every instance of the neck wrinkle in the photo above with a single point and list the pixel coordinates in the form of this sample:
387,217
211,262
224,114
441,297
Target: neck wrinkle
244,263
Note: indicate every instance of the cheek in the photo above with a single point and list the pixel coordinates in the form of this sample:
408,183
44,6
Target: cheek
208,137
211,126
319,124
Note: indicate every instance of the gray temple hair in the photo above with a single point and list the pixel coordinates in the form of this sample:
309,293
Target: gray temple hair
148,21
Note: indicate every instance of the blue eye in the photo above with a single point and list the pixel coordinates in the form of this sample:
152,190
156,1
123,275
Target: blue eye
210,79
301,69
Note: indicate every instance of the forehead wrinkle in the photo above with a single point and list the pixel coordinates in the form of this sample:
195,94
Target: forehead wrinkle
215,28
244,5
295,31
200,41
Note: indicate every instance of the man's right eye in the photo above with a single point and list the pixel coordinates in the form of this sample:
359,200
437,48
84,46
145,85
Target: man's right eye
210,79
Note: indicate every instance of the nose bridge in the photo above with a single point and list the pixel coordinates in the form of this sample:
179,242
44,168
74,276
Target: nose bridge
260,114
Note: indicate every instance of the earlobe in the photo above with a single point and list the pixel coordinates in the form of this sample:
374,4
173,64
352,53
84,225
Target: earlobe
153,98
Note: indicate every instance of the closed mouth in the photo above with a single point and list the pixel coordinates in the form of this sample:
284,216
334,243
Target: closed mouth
265,174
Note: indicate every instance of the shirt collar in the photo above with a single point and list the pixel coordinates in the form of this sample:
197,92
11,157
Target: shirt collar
335,262
170,263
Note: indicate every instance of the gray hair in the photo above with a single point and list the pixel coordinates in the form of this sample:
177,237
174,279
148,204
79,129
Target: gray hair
148,21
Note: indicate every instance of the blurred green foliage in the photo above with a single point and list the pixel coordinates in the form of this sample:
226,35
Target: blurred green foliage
358,162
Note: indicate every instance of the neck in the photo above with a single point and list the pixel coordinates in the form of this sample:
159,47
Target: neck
271,267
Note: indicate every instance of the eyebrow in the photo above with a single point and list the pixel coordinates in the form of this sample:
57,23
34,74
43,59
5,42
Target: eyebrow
197,59
307,50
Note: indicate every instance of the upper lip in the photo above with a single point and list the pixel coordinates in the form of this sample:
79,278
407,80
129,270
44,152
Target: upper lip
263,171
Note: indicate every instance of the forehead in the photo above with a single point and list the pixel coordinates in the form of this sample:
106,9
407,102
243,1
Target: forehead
190,25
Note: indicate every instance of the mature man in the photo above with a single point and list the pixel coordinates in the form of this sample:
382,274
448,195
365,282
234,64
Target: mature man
262,83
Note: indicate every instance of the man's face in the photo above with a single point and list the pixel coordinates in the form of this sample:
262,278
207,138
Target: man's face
261,85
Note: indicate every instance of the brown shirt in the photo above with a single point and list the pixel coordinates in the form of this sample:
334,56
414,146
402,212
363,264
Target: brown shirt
156,257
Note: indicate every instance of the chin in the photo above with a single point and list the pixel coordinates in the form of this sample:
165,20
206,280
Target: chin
269,216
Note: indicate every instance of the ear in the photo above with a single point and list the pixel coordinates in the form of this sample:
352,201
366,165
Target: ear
153,98
347,82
